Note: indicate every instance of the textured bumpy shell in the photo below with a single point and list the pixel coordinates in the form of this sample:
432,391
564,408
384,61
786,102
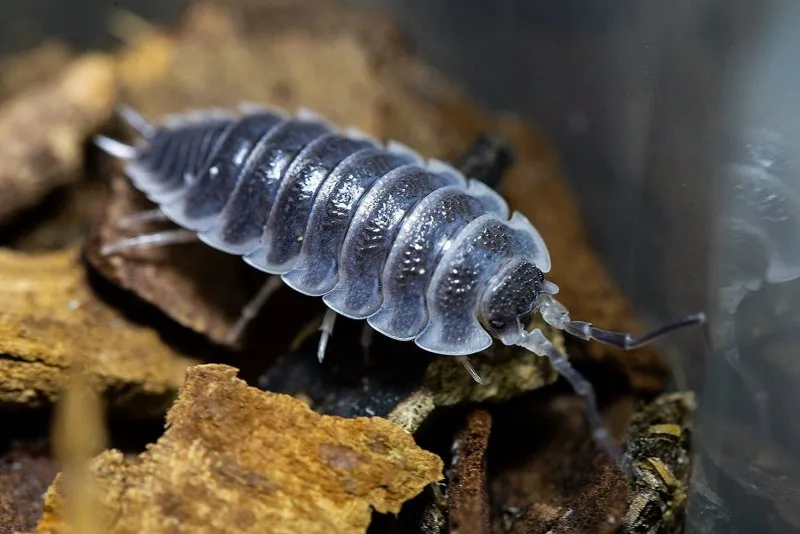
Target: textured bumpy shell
376,231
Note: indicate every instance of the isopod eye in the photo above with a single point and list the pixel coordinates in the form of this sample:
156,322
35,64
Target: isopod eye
497,325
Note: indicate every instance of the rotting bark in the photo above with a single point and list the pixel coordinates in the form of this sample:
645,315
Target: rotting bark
51,321
26,471
658,444
43,131
549,475
234,457
468,495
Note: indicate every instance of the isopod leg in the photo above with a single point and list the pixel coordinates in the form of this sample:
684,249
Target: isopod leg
326,328
537,343
367,337
136,121
487,159
252,308
119,149
463,360
555,314
308,330
115,148
142,217
158,239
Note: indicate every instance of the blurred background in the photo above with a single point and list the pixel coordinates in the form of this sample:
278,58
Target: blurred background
678,126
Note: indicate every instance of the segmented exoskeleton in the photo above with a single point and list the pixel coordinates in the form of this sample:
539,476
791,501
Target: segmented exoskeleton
412,246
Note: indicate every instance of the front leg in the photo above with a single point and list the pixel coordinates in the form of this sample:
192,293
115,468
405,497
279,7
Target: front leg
537,343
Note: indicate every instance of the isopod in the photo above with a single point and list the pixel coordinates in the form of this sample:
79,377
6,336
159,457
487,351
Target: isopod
410,245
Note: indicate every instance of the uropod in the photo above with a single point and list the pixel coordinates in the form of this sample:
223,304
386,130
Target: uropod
420,251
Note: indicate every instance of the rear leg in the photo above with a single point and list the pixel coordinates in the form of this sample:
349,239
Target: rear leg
121,150
142,217
117,149
158,239
136,121
125,152
254,307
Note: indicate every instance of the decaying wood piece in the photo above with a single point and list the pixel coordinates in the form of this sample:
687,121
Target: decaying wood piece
43,131
659,444
240,459
548,475
36,67
468,495
51,320
25,473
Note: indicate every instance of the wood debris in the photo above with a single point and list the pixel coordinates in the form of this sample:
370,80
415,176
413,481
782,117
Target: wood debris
235,458
43,131
51,320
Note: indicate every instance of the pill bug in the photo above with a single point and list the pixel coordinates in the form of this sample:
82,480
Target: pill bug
412,246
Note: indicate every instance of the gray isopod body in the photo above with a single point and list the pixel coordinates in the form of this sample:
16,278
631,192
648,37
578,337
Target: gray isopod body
412,246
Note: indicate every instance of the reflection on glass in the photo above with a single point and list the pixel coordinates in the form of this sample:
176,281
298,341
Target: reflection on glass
747,469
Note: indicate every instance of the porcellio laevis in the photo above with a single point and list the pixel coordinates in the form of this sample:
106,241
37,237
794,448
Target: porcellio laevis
412,246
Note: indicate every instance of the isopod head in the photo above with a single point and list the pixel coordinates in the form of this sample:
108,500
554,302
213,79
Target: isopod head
510,299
